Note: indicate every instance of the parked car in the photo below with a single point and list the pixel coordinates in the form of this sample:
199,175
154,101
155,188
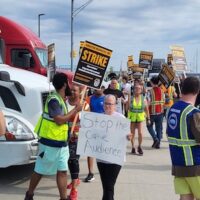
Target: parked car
19,145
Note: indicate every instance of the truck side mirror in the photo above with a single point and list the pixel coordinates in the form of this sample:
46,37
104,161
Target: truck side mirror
4,76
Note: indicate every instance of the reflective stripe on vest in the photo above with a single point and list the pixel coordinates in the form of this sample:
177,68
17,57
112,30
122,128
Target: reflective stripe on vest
180,142
47,117
184,142
170,92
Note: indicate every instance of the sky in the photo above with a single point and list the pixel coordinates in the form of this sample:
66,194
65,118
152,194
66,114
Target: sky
126,27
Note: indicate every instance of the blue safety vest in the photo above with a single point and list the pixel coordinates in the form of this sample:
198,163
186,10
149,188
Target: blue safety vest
184,150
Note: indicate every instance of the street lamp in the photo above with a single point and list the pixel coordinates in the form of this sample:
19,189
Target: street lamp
72,34
73,14
39,23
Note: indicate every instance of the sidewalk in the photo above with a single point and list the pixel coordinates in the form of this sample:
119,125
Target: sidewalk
146,177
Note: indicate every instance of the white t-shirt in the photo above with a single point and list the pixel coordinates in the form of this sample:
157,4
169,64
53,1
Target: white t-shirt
126,88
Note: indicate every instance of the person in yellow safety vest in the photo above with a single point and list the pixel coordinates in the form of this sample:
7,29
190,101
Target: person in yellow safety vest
170,94
156,109
52,129
137,112
183,133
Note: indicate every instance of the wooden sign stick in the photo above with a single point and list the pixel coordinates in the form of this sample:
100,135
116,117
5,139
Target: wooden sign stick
76,116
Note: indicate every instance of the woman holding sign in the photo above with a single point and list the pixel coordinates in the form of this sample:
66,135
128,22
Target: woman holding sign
109,171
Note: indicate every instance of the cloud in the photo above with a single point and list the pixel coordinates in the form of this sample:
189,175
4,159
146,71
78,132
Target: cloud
126,27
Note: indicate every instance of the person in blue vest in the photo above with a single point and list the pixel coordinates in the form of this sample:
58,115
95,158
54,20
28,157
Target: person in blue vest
52,130
183,133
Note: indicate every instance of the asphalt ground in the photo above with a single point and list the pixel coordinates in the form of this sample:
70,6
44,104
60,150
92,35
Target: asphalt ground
146,177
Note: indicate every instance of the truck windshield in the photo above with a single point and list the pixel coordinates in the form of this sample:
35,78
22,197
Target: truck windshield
42,55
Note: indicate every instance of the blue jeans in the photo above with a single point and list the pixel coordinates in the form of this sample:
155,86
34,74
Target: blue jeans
157,133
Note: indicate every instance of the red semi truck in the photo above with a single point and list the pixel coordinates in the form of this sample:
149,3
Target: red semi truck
21,48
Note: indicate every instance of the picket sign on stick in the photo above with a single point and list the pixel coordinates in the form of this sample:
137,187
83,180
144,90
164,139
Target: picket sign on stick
90,72
76,116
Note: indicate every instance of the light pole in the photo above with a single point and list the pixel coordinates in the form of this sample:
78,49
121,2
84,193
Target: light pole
39,23
72,34
73,14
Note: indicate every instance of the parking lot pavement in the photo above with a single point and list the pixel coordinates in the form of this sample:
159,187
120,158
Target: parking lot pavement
146,177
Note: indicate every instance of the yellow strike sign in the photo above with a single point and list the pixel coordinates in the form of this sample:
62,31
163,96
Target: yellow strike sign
130,61
177,51
92,64
146,57
95,54
168,72
94,58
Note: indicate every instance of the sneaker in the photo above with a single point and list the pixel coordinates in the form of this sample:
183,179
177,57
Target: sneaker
140,151
89,178
77,183
155,143
157,146
133,151
73,194
28,196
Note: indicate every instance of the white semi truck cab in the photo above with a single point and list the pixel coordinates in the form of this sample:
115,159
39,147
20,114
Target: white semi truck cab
22,98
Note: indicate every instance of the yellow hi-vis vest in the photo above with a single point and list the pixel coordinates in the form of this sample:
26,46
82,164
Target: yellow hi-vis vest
46,126
136,113
169,99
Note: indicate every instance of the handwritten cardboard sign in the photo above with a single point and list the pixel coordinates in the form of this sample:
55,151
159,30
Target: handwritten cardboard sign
92,65
103,137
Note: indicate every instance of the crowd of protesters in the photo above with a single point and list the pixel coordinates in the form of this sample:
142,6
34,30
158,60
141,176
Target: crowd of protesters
132,100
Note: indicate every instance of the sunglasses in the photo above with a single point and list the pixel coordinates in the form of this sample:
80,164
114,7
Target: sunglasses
109,104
